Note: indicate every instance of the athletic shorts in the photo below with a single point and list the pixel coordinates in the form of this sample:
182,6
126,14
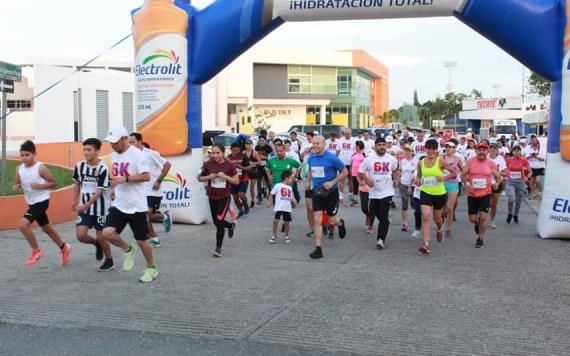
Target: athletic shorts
348,168
537,172
478,205
153,202
91,221
308,194
252,173
137,221
285,214
436,201
405,196
452,187
240,188
328,204
37,212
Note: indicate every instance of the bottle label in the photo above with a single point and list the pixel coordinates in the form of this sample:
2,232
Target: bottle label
161,73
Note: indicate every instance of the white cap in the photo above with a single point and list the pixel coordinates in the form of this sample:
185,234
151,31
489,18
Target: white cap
116,133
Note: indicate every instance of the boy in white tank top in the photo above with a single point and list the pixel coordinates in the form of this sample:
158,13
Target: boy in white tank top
36,181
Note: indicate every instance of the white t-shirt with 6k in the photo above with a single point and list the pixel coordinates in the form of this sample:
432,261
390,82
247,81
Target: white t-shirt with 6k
283,195
379,170
130,197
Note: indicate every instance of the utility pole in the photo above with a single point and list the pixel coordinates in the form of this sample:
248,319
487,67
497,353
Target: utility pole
450,65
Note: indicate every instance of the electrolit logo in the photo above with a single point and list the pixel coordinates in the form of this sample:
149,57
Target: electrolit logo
179,196
561,210
172,68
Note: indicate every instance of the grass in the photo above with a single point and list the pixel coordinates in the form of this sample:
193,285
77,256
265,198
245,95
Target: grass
62,176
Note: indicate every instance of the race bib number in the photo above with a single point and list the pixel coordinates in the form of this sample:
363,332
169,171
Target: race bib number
318,172
417,193
516,175
219,183
89,187
239,171
383,181
480,183
430,181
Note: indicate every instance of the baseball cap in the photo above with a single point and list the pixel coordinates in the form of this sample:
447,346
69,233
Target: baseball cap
482,145
450,144
409,148
116,133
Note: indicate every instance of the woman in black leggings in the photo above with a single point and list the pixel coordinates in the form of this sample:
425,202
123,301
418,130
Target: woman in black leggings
220,174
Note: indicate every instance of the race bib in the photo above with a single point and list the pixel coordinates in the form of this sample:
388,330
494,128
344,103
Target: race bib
480,183
239,171
383,181
516,175
218,183
89,187
430,181
318,172
417,193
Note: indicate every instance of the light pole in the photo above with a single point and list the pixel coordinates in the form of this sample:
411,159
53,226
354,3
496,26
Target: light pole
450,66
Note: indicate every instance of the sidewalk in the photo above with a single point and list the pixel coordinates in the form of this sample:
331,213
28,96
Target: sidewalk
509,298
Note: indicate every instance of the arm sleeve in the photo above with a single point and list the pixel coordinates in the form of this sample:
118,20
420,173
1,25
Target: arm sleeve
274,190
338,164
103,180
76,175
142,166
158,159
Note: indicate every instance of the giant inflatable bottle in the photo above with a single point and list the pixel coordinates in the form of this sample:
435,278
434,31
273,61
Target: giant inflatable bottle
161,70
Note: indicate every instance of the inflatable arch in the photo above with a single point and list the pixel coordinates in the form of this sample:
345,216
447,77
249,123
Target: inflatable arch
178,48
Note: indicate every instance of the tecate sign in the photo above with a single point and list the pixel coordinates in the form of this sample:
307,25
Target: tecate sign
493,104
310,10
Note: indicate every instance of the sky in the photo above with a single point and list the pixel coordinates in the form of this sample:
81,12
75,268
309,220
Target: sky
414,49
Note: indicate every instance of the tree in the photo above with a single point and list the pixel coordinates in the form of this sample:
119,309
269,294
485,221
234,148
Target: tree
394,115
261,122
539,85
476,94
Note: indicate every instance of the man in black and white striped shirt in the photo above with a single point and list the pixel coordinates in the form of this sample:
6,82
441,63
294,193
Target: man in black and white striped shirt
92,201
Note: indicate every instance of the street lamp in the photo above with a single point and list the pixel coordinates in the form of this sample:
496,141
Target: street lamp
450,66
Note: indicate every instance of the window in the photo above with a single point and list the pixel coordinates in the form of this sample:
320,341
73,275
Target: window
311,80
102,113
19,105
344,82
128,112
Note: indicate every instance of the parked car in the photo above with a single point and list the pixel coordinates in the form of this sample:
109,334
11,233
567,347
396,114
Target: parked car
208,136
324,130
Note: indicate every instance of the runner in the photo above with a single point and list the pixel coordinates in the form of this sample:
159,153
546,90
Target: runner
279,164
451,185
462,147
470,152
477,174
324,173
295,142
345,151
380,173
240,163
501,165
332,143
219,173
307,147
281,198
502,148
519,170
36,181
158,169
128,185
308,196
419,145
407,167
263,150
252,171
433,195
361,186
289,153
368,143
92,202
537,160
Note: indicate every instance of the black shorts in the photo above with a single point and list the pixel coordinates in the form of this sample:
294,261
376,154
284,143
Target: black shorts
436,201
240,188
91,221
37,212
478,205
153,202
537,172
137,221
328,204
252,173
285,214
308,194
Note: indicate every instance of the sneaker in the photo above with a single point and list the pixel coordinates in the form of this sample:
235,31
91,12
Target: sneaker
353,203
476,226
240,215
272,239
392,205
287,239
259,201
65,254
509,218
232,230
439,235
218,252
246,208
493,225
98,252
405,227
106,266
424,249
34,257
149,275
416,234
154,242
129,260
318,253
252,204
448,234
311,234
167,221
370,230
516,219
331,235
380,244
479,243
342,229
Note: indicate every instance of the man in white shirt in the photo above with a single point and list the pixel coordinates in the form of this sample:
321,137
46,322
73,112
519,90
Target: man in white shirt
306,147
345,150
380,172
419,145
331,144
129,173
368,143
391,149
158,169
295,142
462,147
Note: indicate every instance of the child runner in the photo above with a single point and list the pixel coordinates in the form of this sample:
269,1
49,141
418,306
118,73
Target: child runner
282,198
36,181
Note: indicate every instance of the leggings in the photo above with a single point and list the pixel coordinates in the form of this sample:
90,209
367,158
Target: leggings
515,190
261,176
365,207
417,213
219,208
381,208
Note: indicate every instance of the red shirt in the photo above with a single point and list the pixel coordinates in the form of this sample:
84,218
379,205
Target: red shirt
516,167
218,188
480,173
240,160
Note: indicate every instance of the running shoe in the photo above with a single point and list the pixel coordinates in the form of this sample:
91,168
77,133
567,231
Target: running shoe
493,225
240,215
167,221
439,235
129,260
516,219
232,230
155,242
416,234
149,274
392,205
448,234
370,230
311,234
287,239
65,250
476,226
318,253
218,252
342,229
272,239
509,218
331,235
106,266
380,244
252,204
353,203
404,227
424,249
34,257
98,252
246,208
479,243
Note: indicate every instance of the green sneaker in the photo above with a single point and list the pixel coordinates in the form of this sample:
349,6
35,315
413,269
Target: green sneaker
148,275
129,261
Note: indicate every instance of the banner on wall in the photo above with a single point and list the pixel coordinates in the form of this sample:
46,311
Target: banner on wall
323,10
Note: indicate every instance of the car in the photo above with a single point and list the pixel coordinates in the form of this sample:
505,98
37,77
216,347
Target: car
324,130
208,136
